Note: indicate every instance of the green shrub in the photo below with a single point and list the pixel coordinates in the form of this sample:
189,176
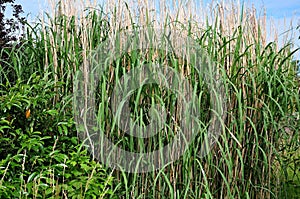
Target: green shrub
40,155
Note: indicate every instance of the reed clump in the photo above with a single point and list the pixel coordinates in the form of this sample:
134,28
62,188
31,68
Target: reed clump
258,83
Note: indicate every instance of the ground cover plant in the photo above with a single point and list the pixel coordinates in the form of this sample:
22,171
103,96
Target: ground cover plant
255,156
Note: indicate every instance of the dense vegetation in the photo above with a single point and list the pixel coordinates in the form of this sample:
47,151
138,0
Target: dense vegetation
255,156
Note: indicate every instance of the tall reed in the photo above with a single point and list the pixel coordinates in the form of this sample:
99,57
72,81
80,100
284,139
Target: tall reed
260,89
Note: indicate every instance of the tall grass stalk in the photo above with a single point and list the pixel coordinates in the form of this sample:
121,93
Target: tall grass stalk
255,73
259,84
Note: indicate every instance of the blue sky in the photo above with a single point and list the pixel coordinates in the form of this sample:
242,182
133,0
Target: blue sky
280,8
278,11
275,8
